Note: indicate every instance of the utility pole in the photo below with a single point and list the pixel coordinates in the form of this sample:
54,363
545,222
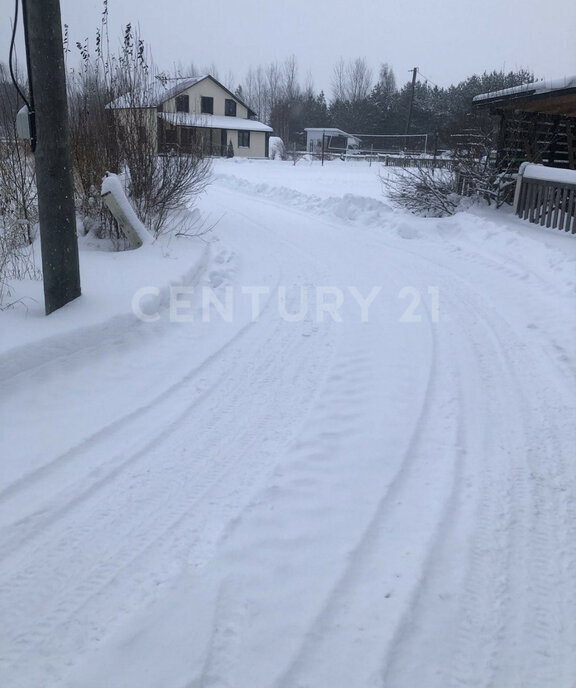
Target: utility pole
45,55
414,75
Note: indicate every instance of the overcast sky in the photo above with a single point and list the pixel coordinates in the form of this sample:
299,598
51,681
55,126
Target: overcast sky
447,39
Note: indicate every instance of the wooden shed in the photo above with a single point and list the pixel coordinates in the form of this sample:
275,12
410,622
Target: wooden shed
537,123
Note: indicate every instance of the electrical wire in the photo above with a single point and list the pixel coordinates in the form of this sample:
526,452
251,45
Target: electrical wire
427,79
10,57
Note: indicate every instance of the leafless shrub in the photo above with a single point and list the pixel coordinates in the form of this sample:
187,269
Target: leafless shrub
423,191
17,258
114,129
18,196
434,192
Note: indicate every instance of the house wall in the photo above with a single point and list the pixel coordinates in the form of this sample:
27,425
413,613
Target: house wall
536,137
257,144
209,89
211,138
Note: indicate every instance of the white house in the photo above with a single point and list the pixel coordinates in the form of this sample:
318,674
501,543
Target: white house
199,110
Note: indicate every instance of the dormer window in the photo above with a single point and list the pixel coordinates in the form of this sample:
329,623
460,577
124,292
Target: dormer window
230,107
182,104
207,105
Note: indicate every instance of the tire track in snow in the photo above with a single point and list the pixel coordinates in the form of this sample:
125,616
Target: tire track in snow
379,585
332,428
508,499
162,513
532,648
171,522
505,557
519,501
149,332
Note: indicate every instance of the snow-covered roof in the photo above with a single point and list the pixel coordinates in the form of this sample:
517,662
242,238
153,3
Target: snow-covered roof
329,131
535,88
163,89
155,94
188,119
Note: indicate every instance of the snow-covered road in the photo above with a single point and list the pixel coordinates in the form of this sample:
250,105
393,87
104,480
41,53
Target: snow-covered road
352,498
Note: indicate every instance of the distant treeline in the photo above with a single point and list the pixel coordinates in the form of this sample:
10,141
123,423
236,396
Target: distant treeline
360,100
360,103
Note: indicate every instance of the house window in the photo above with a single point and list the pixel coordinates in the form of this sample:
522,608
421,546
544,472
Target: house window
170,139
207,105
230,108
243,139
182,104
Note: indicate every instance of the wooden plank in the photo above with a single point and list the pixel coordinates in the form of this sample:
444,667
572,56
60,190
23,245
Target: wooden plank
535,210
570,144
557,197
563,199
569,211
521,197
529,199
546,205
550,205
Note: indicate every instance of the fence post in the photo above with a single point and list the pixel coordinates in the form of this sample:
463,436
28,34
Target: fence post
519,180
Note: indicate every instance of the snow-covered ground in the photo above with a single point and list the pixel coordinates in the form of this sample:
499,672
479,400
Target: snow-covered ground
359,472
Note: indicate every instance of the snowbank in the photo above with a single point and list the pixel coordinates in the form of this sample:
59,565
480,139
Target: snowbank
109,281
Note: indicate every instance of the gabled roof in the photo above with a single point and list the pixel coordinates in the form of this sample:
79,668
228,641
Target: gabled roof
189,119
165,89
156,93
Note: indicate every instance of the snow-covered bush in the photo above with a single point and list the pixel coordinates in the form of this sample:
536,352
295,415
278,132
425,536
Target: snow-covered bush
276,149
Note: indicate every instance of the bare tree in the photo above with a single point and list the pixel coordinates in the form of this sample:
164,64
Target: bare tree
255,90
387,80
274,84
352,80
338,82
359,80
290,85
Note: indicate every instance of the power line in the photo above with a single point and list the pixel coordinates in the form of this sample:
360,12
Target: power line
427,79
11,55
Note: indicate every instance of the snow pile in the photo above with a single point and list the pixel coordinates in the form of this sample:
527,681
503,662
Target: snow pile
550,174
111,184
104,310
276,150
360,210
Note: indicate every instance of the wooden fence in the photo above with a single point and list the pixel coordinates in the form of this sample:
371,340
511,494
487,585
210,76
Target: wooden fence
407,161
548,203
